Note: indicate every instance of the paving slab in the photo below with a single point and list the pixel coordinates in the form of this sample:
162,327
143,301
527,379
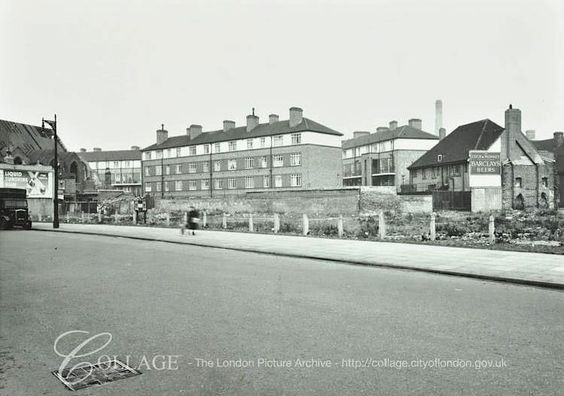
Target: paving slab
538,269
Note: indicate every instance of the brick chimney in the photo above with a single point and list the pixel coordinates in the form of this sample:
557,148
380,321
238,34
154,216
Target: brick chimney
360,133
252,122
96,149
393,125
296,116
512,129
382,129
530,134
558,139
227,125
82,150
442,133
194,131
272,118
416,123
162,135
136,148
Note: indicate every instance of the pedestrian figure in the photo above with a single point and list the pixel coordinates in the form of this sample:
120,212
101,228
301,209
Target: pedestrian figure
193,221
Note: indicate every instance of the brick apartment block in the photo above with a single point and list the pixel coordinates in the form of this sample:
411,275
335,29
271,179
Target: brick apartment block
297,153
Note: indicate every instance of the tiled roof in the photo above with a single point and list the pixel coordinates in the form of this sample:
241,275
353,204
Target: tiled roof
544,145
44,157
112,155
265,129
479,135
26,137
403,132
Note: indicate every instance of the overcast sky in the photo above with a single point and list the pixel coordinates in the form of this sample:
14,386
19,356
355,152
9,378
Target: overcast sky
113,71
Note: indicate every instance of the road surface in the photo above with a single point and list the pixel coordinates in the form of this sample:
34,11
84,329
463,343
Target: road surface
177,312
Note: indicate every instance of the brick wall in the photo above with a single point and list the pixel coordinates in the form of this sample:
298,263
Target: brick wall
531,187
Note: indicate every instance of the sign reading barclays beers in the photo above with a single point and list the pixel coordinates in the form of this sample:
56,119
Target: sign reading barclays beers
484,163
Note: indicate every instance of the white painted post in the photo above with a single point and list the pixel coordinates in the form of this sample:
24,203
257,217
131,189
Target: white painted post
116,218
68,217
491,229
381,225
40,217
251,225
82,217
168,219
185,218
224,221
205,220
99,217
134,217
340,226
433,227
276,223
305,222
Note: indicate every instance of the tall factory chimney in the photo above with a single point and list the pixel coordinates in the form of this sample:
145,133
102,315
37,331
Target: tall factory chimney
438,116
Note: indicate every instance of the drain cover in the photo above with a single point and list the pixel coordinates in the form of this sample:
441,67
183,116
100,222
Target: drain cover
101,373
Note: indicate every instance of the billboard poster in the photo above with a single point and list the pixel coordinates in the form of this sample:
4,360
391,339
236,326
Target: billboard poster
484,163
37,183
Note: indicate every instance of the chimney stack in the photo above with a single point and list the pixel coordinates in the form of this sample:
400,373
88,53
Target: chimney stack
136,148
438,116
415,123
296,116
360,133
227,125
442,133
162,135
194,131
97,149
530,134
382,129
273,118
252,121
512,129
393,125
82,150
558,139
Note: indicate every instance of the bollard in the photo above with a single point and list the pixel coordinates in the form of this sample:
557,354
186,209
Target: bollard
205,220
381,225
491,229
340,226
276,223
224,222
82,217
251,225
134,217
433,228
305,222
99,217
168,219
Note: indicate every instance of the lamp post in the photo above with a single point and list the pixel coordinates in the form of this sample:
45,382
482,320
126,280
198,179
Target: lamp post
53,125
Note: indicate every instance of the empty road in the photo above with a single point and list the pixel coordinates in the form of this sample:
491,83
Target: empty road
207,321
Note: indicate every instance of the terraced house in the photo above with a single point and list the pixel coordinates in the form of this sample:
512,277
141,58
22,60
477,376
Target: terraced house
297,153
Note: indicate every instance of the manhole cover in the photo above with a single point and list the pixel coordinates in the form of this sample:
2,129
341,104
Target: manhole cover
95,374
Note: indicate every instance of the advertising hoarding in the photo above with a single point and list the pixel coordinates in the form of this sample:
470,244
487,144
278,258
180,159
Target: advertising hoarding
38,184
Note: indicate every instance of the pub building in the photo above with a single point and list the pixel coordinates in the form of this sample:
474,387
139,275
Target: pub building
497,166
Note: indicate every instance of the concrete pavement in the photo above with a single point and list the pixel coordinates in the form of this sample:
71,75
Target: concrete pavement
536,269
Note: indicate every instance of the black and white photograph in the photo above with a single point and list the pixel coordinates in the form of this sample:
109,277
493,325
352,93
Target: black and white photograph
281,197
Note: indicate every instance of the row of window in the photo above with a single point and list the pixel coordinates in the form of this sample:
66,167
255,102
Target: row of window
234,145
379,147
101,165
231,164
519,182
229,183
435,172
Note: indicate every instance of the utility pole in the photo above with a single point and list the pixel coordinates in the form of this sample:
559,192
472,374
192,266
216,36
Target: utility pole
53,125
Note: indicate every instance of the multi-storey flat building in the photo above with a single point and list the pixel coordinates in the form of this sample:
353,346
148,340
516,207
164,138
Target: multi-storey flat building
382,158
116,169
297,153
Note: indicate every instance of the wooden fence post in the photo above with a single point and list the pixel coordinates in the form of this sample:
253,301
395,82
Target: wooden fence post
433,229
168,219
116,218
305,222
491,229
224,222
205,220
134,217
381,225
340,226
251,225
82,217
99,217
276,223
